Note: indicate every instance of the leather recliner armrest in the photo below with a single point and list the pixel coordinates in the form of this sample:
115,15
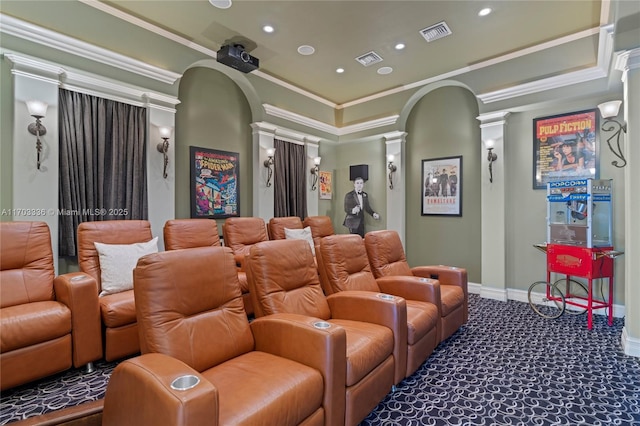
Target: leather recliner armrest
368,306
300,338
447,275
140,393
412,288
79,292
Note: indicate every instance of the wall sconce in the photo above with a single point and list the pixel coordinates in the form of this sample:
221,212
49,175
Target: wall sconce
163,147
38,110
315,170
268,163
392,169
491,157
607,111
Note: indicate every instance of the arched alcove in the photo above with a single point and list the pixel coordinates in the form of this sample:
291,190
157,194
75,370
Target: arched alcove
214,113
440,121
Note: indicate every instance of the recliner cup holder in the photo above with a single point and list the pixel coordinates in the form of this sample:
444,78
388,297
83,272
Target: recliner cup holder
385,296
323,325
186,382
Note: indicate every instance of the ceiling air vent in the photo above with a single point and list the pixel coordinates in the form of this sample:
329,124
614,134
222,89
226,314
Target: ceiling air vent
369,58
434,32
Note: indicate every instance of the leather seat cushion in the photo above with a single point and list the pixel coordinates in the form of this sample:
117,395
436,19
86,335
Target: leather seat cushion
422,317
368,345
33,323
118,309
272,391
451,297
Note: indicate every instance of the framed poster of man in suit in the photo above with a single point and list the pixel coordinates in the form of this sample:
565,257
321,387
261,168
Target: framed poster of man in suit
442,190
356,203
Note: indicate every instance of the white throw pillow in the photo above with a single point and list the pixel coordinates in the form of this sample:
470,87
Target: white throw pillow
300,234
117,262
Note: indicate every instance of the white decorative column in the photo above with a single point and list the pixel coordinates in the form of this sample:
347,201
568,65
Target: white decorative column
494,267
263,135
629,63
161,190
396,196
35,191
312,195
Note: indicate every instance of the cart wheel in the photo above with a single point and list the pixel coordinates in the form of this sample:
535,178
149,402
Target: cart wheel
546,299
573,291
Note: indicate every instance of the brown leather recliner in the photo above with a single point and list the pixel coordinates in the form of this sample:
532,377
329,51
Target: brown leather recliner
321,226
387,258
117,311
47,324
343,265
192,323
190,233
239,234
283,279
276,226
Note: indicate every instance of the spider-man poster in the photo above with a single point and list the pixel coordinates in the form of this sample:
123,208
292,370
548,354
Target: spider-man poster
214,180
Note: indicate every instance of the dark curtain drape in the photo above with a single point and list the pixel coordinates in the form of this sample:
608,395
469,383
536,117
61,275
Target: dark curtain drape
290,180
103,172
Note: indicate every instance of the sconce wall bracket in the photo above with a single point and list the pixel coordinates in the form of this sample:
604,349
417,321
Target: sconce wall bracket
609,125
491,157
392,169
163,148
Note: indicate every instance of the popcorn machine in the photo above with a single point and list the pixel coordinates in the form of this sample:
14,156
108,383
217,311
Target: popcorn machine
579,244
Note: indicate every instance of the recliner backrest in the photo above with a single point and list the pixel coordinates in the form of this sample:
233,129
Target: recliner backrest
386,255
321,226
190,233
107,232
283,279
240,233
26,263
277,225
345,264
189,306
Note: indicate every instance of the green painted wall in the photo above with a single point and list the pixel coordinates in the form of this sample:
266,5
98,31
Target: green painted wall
215,114
443,124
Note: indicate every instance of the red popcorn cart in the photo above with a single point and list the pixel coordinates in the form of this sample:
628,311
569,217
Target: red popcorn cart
579,245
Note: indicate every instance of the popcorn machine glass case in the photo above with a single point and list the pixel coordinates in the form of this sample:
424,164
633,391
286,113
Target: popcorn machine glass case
580,212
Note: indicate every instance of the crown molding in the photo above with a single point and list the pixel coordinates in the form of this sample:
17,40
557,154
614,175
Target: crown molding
90,84
605,50
333,130
42,36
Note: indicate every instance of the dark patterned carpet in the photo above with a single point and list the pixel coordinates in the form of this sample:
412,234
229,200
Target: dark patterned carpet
507,366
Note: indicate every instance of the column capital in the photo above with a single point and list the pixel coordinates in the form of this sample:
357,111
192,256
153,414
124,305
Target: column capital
493,118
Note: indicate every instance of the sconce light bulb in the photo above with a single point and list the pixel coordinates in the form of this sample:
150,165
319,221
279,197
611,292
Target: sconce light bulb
390,158
317,160
271,152
165,132
37,109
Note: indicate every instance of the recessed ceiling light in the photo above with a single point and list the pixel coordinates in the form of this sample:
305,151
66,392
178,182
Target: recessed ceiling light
340,70
306,50
385,70
221,4
268,29
485,11
399,46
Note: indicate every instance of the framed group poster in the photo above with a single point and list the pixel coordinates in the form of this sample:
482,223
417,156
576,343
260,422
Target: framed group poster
214,183
565,146
442,186
326,185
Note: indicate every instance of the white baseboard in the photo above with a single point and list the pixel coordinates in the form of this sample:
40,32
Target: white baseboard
630,346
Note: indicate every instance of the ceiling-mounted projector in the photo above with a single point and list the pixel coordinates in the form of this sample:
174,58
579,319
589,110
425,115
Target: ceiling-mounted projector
235,56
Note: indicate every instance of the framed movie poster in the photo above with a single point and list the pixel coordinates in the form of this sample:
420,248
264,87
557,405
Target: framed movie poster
565,146
442,186
326,185
214,183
